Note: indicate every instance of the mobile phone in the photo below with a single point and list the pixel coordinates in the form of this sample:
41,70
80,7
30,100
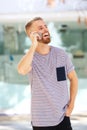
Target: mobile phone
39,38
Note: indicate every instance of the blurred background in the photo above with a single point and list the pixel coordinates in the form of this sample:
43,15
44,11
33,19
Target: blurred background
67,23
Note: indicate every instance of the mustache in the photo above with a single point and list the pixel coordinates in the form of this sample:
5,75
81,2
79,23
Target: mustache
42,34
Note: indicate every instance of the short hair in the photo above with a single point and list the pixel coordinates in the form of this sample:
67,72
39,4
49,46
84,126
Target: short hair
29,24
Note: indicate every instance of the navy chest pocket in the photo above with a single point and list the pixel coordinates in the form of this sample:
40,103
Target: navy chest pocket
60,72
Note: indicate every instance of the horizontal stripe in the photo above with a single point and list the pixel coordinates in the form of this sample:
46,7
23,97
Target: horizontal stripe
49,96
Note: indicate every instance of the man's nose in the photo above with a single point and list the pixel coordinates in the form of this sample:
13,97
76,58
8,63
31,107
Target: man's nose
45,29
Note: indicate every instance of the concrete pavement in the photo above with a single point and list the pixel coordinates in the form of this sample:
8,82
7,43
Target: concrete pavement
23,123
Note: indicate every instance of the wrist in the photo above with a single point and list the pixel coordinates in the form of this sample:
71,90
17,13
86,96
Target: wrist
71,104
33,47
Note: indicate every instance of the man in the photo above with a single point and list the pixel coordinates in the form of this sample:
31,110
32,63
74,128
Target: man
48,68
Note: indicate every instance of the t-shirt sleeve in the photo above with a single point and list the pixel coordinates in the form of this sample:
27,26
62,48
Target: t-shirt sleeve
69,64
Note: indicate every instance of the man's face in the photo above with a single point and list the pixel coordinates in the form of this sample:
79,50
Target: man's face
39,26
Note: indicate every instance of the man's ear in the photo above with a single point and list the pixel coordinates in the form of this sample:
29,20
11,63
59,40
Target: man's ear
28,32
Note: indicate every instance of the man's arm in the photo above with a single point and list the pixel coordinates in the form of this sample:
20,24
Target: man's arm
25,64
73,91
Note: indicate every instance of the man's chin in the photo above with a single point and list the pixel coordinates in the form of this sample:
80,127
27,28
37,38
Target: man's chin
47,41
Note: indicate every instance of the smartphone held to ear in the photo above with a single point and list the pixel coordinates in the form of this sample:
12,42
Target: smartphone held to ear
37,34
39,37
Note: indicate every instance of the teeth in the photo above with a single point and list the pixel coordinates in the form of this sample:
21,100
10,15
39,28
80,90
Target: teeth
46,34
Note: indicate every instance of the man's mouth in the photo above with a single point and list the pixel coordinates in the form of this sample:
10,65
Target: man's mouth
46,35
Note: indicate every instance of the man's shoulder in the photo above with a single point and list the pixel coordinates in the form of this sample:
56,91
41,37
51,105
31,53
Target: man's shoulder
59,50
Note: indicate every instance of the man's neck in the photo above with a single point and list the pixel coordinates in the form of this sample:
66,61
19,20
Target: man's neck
43,49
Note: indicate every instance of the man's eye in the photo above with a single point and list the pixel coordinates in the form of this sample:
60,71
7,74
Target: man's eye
46,26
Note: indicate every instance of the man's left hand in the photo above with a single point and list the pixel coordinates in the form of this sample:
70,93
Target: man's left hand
69,109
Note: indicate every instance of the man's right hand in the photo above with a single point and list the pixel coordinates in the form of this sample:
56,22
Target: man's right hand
34,36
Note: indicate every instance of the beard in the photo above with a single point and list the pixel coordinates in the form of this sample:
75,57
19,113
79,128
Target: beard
46,40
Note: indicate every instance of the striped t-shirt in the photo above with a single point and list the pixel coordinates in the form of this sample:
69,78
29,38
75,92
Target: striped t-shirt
49,90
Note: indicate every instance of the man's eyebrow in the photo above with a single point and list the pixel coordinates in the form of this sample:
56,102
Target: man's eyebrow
42,25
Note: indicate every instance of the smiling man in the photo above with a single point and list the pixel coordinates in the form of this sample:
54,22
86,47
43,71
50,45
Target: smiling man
48,68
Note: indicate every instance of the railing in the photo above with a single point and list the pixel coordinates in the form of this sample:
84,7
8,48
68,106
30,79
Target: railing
8,71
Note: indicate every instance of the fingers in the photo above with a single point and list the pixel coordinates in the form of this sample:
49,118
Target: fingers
69,110
68,113
35,35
